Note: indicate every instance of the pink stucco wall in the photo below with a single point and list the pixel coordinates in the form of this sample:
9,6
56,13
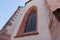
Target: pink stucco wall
54,4
54,26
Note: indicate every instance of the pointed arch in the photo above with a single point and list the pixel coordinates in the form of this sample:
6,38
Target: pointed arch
22,29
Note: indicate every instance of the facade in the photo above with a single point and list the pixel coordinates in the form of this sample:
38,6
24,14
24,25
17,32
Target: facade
34,21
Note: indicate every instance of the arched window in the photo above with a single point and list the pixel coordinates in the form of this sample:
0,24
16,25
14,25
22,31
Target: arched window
29,23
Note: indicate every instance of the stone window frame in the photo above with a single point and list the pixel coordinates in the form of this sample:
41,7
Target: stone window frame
20,32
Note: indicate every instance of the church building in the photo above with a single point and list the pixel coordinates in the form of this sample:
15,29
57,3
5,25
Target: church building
37,20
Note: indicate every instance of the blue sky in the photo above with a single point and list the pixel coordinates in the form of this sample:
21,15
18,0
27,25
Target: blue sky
7,8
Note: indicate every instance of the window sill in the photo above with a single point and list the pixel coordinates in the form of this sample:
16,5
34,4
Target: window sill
26,34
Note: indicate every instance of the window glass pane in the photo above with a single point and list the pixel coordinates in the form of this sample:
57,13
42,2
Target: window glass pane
33,24
27,25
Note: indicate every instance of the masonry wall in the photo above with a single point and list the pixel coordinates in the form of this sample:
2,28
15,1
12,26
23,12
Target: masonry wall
54,23
43,22
54,27
54,4
45,18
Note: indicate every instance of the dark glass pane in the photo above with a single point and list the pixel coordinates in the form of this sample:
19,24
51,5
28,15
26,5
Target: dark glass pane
27,25
33,24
